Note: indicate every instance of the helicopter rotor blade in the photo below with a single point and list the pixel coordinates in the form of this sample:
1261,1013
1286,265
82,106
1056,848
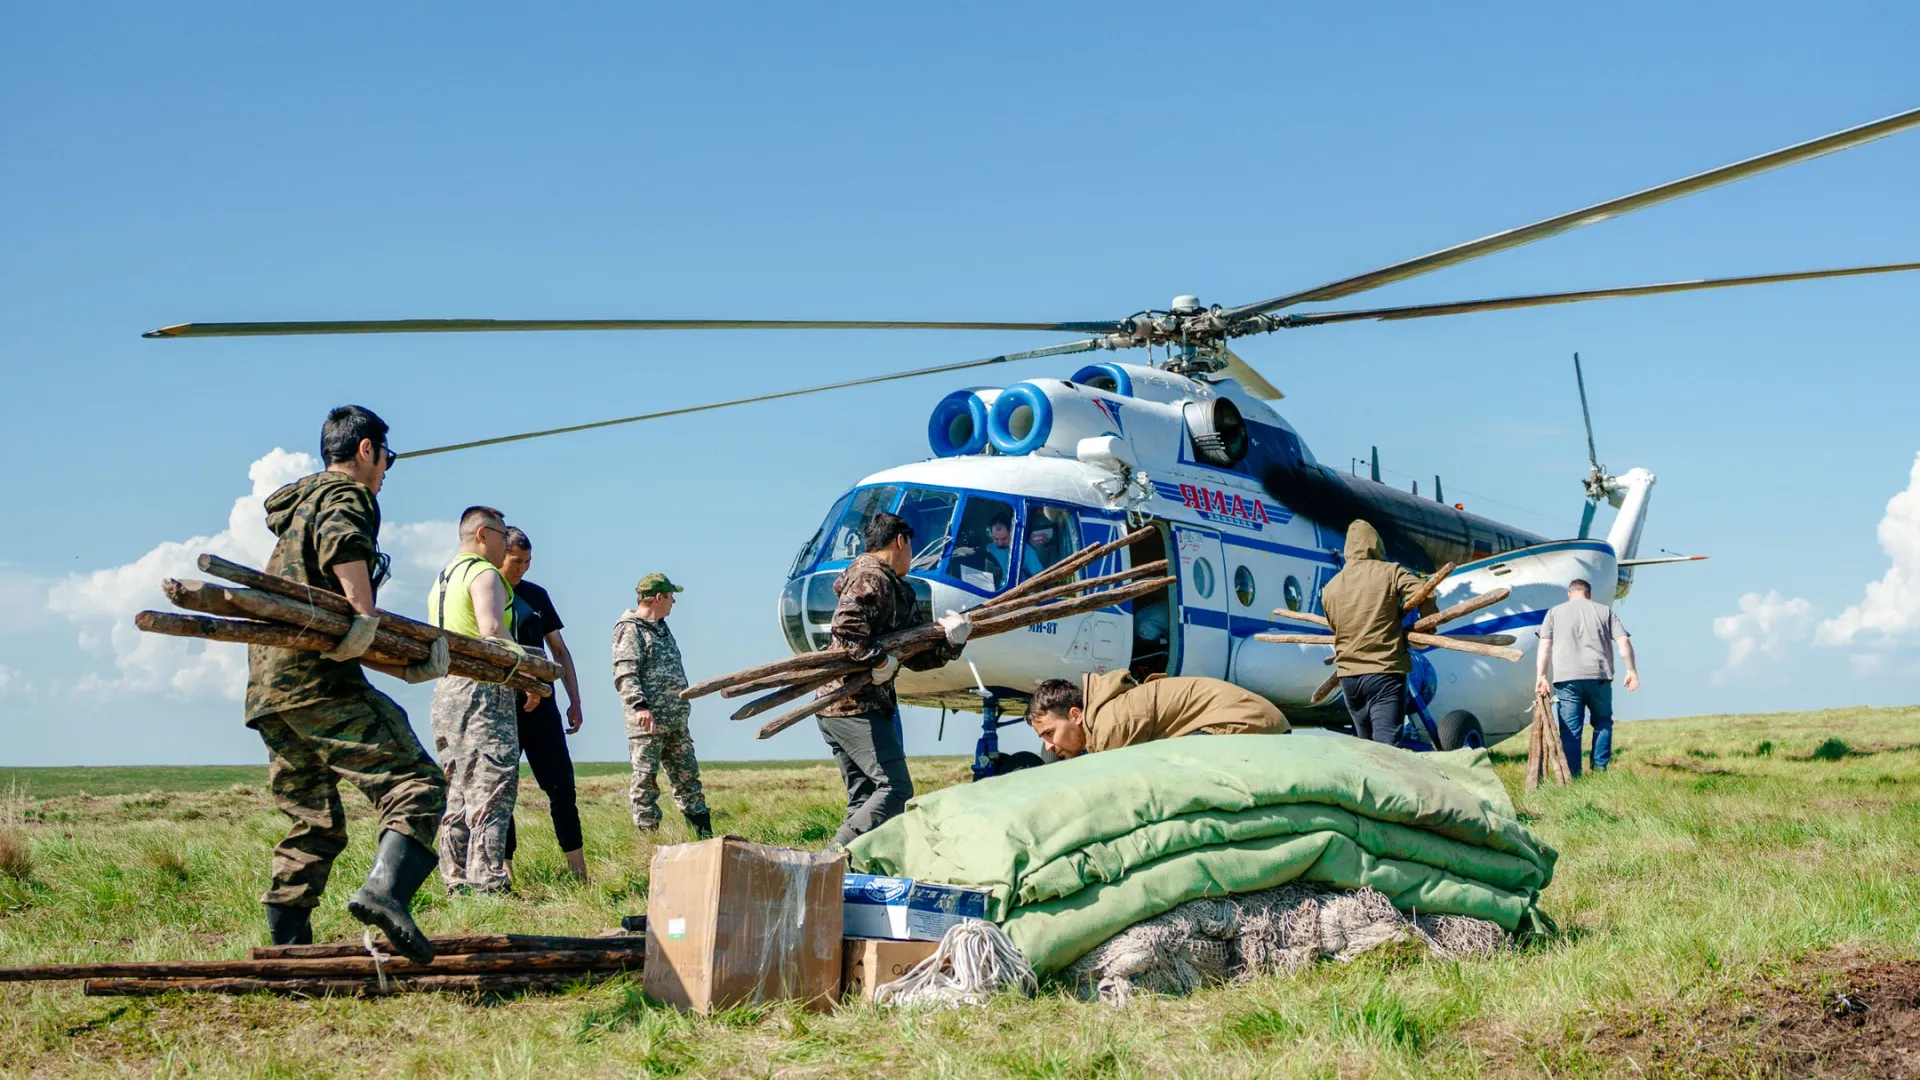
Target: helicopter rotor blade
1586,518
1593,456
446,326
1465,307
1253,382
1590,215
1051,350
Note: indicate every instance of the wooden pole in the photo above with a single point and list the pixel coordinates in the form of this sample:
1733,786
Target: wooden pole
282,636
1325,690
1458,644
1069,565
1426,590
1296,639
537,666
414,984
800,689
1303,616
461,945
1024,617
996,606
852,686
1484,600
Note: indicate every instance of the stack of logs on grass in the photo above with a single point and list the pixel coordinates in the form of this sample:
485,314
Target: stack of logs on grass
1038,599
471,964
271,610
1421,633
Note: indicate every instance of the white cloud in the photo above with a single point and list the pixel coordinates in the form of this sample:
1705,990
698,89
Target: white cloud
101,604
1765,627
12,683
1890,612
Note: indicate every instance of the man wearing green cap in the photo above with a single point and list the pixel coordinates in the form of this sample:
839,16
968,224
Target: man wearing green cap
648,674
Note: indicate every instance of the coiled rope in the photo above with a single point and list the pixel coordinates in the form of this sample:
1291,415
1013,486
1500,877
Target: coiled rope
974,961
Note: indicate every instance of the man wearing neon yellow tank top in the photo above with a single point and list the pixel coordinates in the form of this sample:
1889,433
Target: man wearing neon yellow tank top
476,724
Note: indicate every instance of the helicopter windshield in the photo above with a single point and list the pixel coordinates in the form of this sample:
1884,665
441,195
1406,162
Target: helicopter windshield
983,541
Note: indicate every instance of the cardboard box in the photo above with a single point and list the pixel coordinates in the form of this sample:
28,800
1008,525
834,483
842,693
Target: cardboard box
872,963
733,923
906,910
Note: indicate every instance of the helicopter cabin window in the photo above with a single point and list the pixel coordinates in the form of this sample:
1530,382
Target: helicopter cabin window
983,548
812,546
1052,535
928,512
1243,586
848,534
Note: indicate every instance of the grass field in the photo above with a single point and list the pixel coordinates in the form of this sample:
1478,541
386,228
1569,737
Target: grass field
1738,898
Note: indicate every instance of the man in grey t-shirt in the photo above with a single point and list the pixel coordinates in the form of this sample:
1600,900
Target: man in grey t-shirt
1576,645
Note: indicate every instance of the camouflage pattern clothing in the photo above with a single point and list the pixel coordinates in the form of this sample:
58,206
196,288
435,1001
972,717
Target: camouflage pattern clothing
319,719
649,674
874,602
476,728
322,520
366,739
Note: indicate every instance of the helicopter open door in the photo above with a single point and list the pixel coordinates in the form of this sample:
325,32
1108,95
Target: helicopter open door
1204,643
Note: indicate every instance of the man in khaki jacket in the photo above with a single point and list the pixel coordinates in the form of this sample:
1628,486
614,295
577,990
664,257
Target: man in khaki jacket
1365,603
1112,710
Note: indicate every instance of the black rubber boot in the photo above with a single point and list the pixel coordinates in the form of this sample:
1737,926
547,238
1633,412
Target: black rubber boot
702,823
289,925
399,866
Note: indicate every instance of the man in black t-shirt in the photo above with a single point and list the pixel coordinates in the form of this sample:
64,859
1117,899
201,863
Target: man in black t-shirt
536,625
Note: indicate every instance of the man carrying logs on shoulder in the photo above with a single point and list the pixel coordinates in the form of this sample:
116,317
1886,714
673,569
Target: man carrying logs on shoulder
322,721
863,729
1366,604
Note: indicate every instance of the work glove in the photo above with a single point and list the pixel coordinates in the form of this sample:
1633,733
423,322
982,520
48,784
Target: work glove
956,626
434,666
355,642
512,646
887,669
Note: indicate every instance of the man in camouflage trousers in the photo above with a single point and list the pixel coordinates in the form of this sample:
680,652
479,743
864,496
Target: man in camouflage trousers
320,719
648,674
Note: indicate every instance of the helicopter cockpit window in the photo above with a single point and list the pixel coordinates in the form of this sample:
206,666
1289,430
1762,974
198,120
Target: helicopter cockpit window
812,546
847,538
929,512
1052,535
983,548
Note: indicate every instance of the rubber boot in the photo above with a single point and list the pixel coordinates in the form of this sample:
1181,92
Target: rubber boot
400,864
289,925
577,864
702,823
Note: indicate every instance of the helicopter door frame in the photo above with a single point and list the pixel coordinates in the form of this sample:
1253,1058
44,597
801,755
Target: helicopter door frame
1205,643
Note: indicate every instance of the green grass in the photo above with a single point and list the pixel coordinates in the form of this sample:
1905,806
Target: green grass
1721,855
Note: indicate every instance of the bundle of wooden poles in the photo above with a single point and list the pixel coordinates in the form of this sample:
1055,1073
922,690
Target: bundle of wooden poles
1040,598
1546,756
472,964
1421,633
270,610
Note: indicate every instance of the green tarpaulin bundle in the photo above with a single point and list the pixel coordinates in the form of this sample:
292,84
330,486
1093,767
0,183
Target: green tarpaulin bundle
1078,851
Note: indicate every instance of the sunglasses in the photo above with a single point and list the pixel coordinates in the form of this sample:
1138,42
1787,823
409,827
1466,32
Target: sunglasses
391,456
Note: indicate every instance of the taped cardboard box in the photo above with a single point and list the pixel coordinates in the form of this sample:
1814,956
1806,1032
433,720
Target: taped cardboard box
872,963
733,923
907,910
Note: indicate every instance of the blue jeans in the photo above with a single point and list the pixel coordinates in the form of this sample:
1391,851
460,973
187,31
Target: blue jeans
1596,696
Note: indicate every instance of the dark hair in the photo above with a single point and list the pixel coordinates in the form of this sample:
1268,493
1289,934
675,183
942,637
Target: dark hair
1581,584
882,528
1054,696
1002,518
473,512
340,436
517,539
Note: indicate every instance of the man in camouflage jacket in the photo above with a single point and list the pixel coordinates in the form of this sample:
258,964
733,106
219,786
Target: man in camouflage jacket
648,674
863,729
320,719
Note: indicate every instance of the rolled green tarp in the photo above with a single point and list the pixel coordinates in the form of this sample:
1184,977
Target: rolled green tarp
1077,851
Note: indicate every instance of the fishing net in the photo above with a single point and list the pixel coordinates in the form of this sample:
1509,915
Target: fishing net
1280,930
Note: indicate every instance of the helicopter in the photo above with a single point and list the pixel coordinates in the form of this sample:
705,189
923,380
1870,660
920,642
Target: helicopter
1251,523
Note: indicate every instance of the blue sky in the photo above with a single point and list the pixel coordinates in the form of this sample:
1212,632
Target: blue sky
209,162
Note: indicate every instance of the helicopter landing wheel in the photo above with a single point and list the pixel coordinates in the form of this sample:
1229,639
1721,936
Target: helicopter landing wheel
1460,728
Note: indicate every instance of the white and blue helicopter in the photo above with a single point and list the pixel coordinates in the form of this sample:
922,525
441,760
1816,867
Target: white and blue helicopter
1025,474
